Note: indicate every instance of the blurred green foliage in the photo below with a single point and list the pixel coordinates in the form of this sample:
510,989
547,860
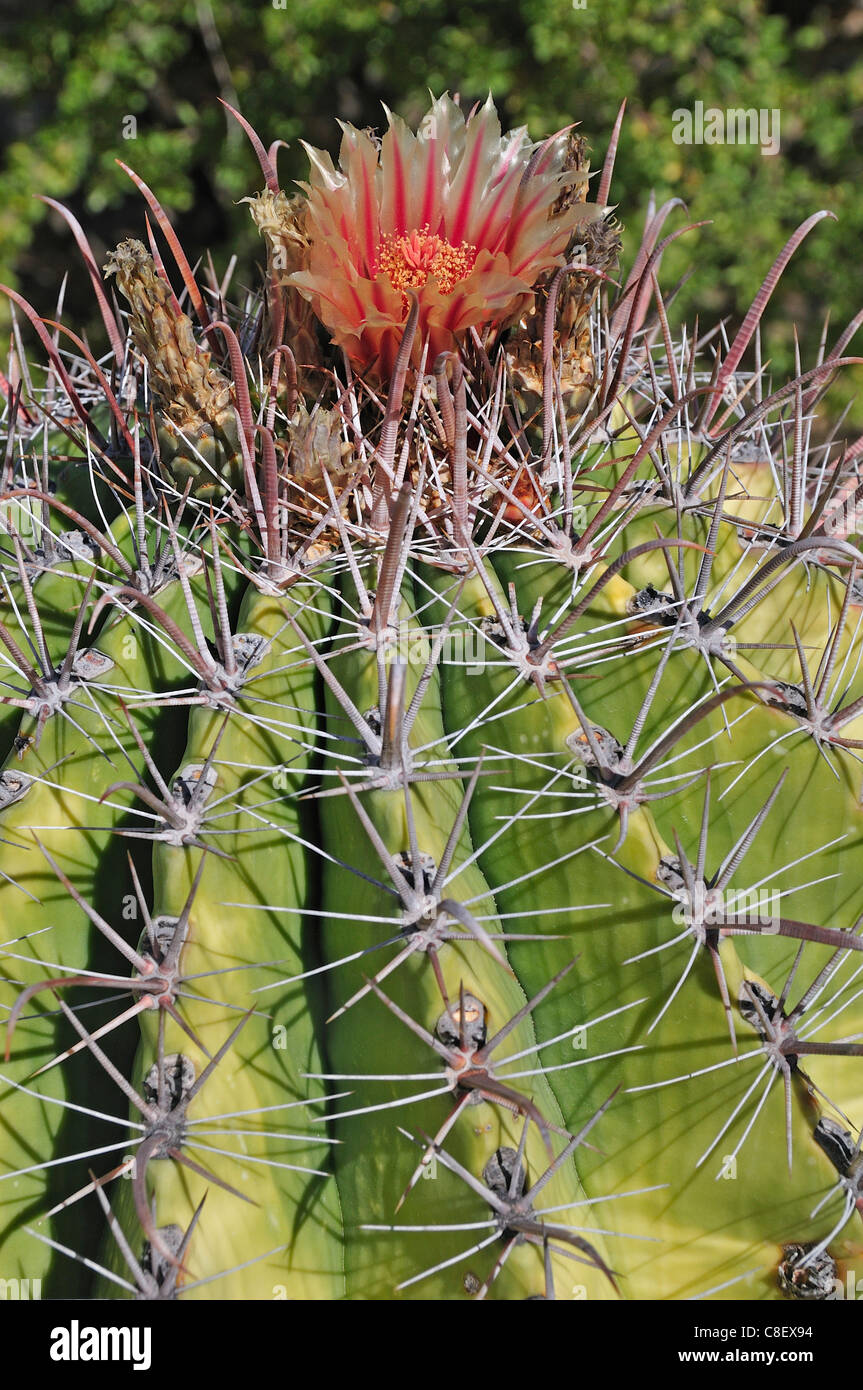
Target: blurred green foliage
72,76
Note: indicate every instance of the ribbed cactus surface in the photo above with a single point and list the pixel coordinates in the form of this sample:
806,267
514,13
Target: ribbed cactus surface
430,828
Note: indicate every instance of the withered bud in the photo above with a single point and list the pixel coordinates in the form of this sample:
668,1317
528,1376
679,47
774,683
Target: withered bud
198,428
179,369
317,447
576,164
282,223
595,243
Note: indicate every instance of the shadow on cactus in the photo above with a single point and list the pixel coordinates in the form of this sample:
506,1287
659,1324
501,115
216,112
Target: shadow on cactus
402,661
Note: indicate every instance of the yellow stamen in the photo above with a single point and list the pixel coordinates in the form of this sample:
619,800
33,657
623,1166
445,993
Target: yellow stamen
409,260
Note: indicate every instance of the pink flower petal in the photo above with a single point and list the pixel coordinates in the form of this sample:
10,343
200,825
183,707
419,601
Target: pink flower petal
458,180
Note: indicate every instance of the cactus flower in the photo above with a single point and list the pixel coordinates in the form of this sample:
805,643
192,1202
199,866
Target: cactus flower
465,218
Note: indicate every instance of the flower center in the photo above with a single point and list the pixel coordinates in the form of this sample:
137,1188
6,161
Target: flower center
409,260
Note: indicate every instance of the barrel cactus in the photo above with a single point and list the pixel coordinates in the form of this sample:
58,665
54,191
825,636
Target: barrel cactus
432,796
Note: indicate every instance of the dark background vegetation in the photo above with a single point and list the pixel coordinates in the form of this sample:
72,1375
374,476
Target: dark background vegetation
71,72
